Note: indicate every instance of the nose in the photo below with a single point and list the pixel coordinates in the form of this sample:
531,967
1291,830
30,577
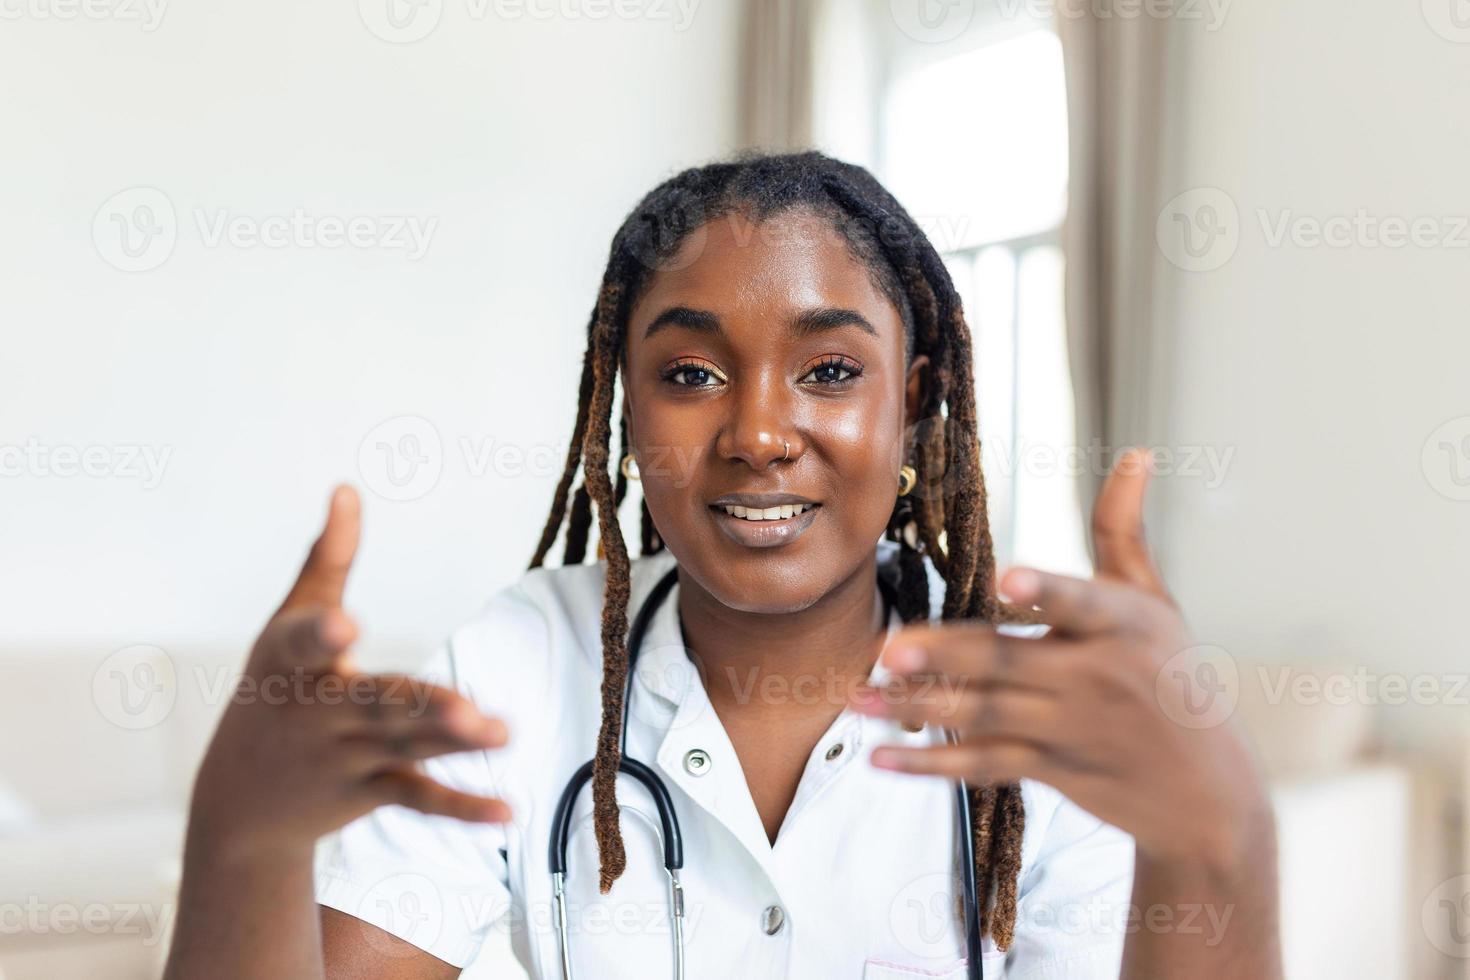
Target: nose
759,431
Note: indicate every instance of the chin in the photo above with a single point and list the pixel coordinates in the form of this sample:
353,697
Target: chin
770,581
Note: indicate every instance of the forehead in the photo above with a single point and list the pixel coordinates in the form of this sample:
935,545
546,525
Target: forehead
739,268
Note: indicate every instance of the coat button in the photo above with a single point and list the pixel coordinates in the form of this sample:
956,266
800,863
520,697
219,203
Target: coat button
834,751
696,762
772,919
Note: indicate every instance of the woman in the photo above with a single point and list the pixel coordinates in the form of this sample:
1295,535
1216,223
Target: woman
797,381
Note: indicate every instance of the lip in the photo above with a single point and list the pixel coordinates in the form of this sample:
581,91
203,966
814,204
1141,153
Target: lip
763,534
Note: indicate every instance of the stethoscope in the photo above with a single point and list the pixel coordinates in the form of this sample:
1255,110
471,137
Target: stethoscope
673,839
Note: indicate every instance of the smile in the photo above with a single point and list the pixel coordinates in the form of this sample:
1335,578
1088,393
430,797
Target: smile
764,520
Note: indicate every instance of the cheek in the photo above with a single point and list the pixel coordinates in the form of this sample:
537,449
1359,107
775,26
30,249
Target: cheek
672,447
864,442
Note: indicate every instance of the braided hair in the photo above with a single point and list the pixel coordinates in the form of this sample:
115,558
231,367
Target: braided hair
943,518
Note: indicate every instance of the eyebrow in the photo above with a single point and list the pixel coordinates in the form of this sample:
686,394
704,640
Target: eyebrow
807,322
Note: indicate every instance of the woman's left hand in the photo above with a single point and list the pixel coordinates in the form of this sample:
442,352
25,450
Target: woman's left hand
1099,707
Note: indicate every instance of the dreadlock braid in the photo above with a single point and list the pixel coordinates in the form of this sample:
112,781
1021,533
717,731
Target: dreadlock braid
579,524
615,601
943,519
574,457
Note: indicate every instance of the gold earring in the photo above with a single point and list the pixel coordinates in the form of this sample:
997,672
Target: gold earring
908,478
629,467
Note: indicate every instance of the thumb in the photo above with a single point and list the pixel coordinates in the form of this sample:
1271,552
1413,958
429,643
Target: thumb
1117,525
323,577
306,639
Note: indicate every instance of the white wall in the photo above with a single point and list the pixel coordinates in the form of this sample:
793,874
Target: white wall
1324,368
1335,538
260,370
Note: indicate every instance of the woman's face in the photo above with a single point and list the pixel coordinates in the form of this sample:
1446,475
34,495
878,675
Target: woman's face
756,338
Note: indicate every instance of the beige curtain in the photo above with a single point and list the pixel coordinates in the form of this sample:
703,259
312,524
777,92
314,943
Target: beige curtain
776,74
1116,68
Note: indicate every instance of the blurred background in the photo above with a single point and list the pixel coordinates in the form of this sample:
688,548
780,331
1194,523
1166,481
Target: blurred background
249,251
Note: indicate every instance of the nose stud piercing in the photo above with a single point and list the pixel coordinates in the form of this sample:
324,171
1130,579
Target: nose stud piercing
788,449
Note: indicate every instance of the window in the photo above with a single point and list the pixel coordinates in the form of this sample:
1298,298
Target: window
974,143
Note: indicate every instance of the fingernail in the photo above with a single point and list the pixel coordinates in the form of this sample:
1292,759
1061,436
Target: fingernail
493,732
886,759
333,629
1022,584
904,659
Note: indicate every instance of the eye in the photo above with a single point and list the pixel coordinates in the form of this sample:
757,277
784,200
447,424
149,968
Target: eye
833,370
693,374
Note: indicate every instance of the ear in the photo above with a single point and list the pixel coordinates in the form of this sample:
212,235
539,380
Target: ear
627,413
915,390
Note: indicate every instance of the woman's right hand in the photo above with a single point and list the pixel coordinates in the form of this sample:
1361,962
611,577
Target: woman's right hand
308,743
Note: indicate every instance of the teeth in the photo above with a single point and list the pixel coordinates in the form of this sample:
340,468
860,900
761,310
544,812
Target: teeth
765,514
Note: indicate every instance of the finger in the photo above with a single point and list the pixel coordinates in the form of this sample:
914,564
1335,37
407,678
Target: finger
310,639
323,576
975,653
998,760
1075,606
395,707
970,710
416,791
362,755
1117,525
